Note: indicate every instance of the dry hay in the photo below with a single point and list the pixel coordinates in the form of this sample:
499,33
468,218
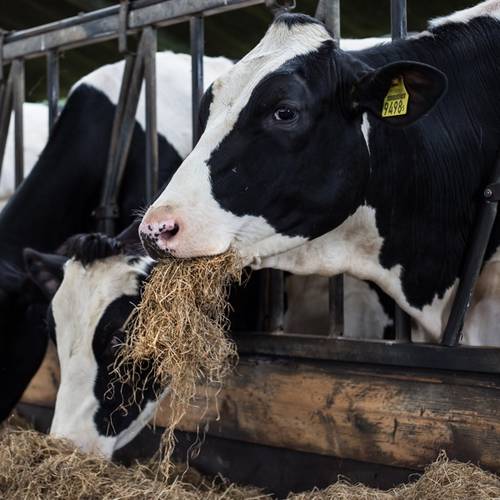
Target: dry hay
442,480
35,466
179,330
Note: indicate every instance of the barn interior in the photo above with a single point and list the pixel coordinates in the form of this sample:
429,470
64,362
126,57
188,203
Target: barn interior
305,405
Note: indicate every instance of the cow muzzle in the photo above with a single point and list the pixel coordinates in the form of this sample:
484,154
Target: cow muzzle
158,231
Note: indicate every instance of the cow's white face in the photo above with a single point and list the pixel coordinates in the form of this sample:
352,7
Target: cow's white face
88,312
284,156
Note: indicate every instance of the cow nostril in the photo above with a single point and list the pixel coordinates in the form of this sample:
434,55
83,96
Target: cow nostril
167,234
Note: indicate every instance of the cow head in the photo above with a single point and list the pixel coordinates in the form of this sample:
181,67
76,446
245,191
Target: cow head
101,283
284,156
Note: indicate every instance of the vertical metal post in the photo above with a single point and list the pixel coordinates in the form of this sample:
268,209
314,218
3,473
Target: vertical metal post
197,32
18,101
53,85
150,48
402,323
336,306
6,91
398,19
328,12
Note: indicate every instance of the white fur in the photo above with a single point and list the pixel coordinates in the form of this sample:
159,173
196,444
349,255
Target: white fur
78,305
348,44
36,129
490,8
173,74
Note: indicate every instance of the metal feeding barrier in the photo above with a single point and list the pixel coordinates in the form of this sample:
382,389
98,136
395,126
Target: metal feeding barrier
144,17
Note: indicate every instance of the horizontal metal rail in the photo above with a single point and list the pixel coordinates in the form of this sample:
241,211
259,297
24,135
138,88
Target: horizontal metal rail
393,353
104,25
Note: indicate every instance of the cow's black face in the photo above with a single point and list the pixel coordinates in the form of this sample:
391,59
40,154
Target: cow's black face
295,156
284,157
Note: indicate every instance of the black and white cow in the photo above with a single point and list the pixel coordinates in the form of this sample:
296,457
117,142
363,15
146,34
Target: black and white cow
95,286
299,170
65,185
59,196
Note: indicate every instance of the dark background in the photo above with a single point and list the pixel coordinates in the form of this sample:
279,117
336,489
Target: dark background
231,34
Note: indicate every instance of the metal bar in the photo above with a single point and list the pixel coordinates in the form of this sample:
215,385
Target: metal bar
150,109
197,33
402,322
336,306
6,91
474,256
398,19
328,12
106,212
104,24
53,86
272,303
472,359
17,104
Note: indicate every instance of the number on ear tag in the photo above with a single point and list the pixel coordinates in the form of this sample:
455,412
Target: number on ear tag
396,100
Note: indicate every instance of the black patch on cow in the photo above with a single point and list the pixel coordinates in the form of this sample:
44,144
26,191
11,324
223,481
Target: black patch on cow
23,337
205,103
424,181
119,404
87,248
296,171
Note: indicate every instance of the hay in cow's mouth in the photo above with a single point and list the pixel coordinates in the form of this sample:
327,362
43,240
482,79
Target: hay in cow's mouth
179,330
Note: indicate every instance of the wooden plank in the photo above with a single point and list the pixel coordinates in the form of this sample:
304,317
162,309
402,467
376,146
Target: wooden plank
43,387
385,415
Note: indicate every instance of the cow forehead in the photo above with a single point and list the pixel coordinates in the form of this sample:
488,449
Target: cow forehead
86,292
282,42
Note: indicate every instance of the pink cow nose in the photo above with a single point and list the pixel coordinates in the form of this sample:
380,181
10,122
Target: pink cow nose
157,228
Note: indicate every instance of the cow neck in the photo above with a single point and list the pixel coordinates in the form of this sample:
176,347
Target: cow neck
426,180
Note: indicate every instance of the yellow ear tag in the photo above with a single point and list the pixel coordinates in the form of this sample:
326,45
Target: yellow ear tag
396,100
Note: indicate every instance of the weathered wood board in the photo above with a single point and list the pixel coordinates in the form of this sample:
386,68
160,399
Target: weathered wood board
391,416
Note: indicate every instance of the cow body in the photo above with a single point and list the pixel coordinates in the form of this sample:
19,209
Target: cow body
299,170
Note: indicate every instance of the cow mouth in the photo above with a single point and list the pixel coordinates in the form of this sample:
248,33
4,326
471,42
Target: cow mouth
154,251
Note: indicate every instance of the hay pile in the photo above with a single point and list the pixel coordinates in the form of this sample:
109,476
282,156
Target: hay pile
35,466
38,467
443,480
179,330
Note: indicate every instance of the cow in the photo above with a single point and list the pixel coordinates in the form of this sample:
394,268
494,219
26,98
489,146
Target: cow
370,163
64,188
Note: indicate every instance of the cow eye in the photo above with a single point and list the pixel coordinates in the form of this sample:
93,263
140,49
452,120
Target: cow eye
285,114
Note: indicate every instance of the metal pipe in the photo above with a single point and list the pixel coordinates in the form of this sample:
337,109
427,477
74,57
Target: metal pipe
474,256
104,25
152,173
5,112
53,86
336,306
197,33
398,19
402,321
18,101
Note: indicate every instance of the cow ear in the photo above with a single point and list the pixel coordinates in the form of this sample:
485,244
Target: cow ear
400,93
45,270
129,237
